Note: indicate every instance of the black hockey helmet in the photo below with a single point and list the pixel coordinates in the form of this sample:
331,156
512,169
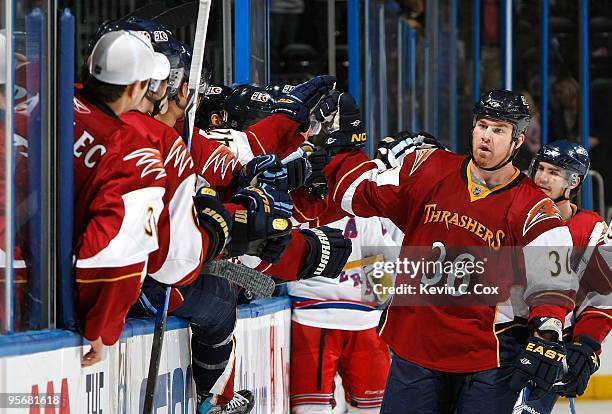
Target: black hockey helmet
566,155
212,103
246,105
276,91
505,106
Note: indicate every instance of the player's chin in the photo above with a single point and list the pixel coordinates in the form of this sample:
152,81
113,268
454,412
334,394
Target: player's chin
483,158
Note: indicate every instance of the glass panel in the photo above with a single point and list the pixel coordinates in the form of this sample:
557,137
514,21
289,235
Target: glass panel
298,40
259,42
600,62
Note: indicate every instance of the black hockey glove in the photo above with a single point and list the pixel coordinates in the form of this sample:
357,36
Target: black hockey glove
538,366
265,218
298,103
326,108
299,170
263,168
214,218
582,361
346,130
328,252
316,184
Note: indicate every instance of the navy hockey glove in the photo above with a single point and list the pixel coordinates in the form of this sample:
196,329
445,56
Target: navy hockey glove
326,108
263,168
346,130
298,103
298,171
327,254
316,184
214,218
582,361
538,367
265,218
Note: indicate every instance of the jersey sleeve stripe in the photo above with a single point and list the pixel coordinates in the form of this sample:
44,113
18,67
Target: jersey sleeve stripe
109,280
263,151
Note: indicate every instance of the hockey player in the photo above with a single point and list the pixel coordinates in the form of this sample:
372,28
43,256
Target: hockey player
449,357
119,185
333,329
219,153
559,169
210,113
207,301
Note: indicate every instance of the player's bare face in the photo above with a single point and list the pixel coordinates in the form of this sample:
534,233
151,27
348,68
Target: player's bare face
491,142
551,179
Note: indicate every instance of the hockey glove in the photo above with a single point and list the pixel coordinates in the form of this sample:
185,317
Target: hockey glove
214,218
298,103
538,366
316,184
298,171
326,108
328,252
265,218
263,168
582,361
346,130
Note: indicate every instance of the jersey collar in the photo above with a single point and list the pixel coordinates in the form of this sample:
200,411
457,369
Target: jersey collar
478,192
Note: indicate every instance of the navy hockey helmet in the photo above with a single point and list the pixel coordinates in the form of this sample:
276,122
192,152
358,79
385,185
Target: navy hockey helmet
276,91
246,105
566,155
212,103
505,106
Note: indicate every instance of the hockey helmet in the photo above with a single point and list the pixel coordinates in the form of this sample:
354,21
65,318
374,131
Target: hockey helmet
505,106
246,105
566,155
276,91
212,103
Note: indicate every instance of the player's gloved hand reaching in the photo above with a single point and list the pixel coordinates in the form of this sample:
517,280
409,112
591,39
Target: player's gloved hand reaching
214,218
346,129
328,252
298,103
582,361
538,367
391,149
316,184
263,227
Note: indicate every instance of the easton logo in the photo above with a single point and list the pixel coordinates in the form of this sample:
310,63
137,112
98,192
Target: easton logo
543,210
148,157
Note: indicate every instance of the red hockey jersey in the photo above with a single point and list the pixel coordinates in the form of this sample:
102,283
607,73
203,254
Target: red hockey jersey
593,315
119,187
182,243
431,197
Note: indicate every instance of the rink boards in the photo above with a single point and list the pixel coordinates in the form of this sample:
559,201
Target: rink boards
46,365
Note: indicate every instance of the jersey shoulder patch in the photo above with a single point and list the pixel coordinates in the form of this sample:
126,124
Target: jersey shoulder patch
543,210
420,157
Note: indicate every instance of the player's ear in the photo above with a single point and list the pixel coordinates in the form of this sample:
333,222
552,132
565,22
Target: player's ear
520,140
575,181
185,89
215,120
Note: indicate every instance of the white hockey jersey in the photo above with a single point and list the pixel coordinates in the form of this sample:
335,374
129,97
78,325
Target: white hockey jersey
346,302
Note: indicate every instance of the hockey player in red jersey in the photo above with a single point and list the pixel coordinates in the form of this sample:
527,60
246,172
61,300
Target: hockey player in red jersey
559,169
119,185
453,356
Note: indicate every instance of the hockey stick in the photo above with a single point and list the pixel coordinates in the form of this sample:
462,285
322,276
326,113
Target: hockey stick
259,284
161,317
195,71
366,261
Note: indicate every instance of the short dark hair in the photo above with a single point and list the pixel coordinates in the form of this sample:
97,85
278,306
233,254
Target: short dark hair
105,92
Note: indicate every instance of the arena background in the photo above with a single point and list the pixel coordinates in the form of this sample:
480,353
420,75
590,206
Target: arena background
411,64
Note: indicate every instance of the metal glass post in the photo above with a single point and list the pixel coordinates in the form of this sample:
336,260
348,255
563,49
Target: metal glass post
476,47
9,93
331,37
585,93
382,74
227,42
242,19
454,60
507,45
400,74
354,50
